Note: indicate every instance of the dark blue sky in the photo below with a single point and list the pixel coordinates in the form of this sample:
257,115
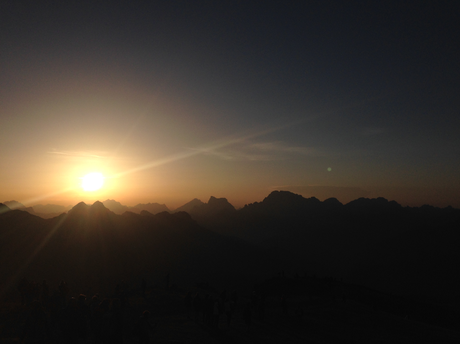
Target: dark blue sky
240,98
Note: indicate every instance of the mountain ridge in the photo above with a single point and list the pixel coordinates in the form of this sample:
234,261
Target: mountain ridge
92,243
373,242
273,198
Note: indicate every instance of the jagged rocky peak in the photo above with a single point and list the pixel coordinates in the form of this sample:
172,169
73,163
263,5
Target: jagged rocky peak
287,198
189,207
281,197
98,208
111,201
98,205
79,208
153,208
115,206
220,204
374,203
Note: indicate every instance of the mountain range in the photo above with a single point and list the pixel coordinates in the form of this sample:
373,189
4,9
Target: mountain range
371,242
91,245
52,210
44,211
118,208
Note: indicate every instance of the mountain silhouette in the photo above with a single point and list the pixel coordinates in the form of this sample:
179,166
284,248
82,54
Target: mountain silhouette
217,214
371,242
119,208
92,245
214,207
19,206
188,207
14,205
332,203
80,209
46,212
115,206
153,208
375,204
286,199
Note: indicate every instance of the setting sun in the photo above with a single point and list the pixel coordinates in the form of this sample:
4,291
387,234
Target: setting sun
92,181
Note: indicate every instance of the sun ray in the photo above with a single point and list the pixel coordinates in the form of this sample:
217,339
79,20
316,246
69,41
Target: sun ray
207,148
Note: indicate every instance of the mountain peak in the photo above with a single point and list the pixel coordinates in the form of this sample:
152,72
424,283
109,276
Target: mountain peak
98,210
379,202
79,206
332,202
79,209
14,205
279,195
112,202
153,208
115,206
289,199
98,204
220,204
188,207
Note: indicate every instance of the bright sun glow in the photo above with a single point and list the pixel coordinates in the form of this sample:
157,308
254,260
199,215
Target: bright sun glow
92,181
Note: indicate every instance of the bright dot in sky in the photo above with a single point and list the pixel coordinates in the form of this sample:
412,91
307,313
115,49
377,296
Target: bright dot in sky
329,169
92,181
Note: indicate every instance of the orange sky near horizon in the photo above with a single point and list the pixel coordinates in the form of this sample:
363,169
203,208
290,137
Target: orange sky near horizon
173,186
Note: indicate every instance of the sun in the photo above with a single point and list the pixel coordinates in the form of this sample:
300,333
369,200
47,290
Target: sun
92,181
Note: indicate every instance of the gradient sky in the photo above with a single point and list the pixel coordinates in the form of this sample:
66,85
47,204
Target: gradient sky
175,100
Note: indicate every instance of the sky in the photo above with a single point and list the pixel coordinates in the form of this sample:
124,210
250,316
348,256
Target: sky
175,100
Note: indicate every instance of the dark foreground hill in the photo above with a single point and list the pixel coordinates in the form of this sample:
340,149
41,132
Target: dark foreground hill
90,245
373,242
